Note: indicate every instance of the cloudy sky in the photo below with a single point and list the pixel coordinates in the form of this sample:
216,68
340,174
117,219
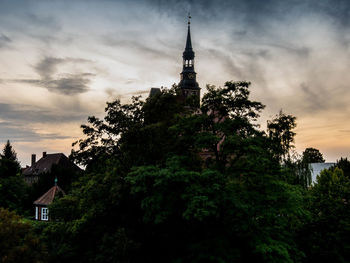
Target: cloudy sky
60,61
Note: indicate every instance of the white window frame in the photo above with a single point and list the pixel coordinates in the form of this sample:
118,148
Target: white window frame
36,213
44,214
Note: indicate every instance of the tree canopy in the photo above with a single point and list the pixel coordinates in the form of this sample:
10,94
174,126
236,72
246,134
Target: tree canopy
312,155
13,190
8,152
167,182
18,242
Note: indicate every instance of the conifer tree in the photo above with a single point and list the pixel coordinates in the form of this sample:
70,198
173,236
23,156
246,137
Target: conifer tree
8,152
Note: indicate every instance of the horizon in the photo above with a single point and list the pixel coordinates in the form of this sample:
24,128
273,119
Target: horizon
62,61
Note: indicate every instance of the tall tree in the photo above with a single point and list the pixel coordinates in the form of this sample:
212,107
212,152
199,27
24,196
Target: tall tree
8,152
13,190
312,155
9,165
280,131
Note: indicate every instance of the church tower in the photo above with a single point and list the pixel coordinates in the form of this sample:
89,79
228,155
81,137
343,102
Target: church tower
188,86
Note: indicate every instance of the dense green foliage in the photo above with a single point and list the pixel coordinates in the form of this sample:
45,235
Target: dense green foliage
13,190
327,233
166,182
18,242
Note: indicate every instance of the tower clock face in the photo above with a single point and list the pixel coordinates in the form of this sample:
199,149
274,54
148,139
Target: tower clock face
191,76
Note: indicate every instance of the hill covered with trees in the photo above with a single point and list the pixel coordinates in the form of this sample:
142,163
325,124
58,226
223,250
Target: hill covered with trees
166,182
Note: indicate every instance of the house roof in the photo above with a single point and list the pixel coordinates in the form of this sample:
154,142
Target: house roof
49,196
44,164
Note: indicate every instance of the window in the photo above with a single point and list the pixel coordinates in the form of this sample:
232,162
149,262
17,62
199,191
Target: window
188,63
44,213
36,213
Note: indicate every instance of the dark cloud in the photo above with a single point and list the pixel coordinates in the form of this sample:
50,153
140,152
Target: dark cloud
337,8
22,133
33,114
48,66
4,40
69,85
64,83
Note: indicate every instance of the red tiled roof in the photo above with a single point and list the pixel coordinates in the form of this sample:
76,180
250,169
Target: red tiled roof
49,196
45,164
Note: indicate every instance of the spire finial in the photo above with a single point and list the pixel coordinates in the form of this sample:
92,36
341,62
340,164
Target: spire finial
188,41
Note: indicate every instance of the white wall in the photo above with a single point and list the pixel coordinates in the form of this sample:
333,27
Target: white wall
316,169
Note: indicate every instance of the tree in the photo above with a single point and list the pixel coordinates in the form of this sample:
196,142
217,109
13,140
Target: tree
128,131
297,172
9,165
344,165
18,242
280,132
8,152
13,190
326,235
312,155
149,195
226,122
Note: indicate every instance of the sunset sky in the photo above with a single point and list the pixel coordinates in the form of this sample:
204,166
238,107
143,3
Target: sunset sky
60,61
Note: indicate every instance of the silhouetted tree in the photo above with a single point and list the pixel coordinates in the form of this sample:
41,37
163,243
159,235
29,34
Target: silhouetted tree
8,152
281,134
344,164
13,190
312,155
149,196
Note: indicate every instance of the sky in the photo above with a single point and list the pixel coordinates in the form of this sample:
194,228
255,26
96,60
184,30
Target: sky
61,61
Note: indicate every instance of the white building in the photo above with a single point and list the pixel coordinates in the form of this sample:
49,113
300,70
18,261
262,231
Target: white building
316,169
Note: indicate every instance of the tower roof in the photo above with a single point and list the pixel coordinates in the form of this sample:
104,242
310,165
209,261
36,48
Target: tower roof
49,196
188,53
188,41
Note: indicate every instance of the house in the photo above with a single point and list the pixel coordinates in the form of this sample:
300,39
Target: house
42,203
44,165
317,168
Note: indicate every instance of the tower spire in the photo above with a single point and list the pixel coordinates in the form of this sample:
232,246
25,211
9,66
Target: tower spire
188,41
188,84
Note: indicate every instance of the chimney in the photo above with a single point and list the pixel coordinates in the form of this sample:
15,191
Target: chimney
33,159
44,154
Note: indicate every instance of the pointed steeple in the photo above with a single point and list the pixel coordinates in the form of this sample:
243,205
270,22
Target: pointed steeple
188,53
188,41
188,85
